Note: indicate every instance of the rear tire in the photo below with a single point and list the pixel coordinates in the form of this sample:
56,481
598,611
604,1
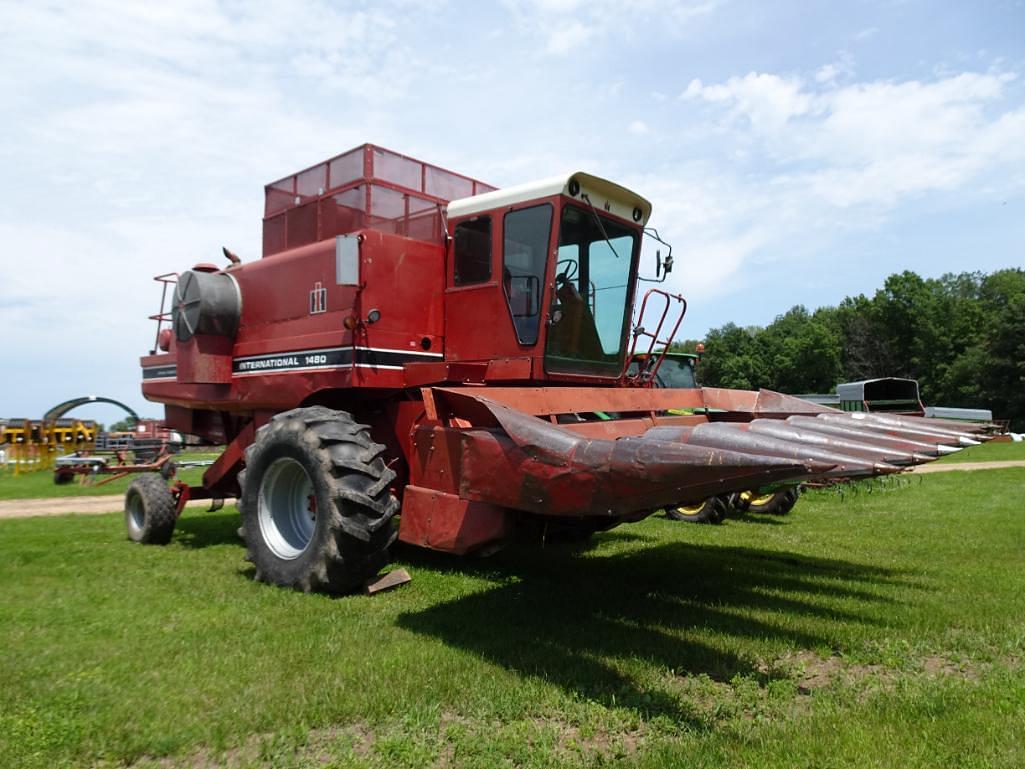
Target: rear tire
711,510
316,502
150,511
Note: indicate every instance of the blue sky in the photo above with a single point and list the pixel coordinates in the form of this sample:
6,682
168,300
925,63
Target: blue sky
794,152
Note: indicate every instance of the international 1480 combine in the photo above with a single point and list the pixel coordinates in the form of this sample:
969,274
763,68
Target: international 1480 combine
415,343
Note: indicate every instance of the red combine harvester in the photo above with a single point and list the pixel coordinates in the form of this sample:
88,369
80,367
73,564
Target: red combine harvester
417,343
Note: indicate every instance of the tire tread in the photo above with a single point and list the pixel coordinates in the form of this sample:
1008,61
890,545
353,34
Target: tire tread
360,518
160,513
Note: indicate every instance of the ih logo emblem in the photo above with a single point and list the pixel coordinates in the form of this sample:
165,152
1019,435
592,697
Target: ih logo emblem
318,299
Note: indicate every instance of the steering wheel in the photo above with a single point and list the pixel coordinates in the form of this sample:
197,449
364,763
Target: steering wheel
570,271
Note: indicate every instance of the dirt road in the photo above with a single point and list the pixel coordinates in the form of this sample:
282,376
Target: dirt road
965,466
30,508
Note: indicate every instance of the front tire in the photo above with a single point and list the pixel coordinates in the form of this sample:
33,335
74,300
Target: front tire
316,502
150,511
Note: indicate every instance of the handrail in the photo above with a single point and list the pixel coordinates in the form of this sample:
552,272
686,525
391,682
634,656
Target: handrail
646,373
167,279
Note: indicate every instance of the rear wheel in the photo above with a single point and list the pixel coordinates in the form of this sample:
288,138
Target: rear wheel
711,510
316,502
150,511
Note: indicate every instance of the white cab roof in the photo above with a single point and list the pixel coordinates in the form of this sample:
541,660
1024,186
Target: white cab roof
602,194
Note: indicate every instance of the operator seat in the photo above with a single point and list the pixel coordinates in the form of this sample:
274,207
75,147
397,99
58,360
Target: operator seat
575,335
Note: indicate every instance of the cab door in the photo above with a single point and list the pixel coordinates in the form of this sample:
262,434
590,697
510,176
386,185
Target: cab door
496,285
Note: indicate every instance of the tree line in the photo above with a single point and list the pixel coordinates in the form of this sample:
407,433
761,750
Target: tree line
962,336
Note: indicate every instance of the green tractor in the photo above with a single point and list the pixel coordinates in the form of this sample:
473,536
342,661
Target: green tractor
679,370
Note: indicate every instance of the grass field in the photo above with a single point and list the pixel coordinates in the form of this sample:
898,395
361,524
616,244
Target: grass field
988,452
886,628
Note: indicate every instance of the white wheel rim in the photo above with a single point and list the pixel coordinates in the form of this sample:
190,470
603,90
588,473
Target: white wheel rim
136,513
287,508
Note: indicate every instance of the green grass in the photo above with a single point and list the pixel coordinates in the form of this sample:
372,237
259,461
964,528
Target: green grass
884,628
993,451
39,484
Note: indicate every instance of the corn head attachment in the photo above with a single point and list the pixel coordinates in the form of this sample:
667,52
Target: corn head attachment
495,453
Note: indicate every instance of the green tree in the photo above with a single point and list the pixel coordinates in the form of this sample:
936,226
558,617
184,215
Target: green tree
732,358
1002,379
801,352
123,425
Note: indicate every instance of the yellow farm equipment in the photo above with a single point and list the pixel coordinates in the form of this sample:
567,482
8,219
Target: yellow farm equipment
28,445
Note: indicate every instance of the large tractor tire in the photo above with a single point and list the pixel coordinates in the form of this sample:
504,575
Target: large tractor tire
711,510
150,513
316,502
778,502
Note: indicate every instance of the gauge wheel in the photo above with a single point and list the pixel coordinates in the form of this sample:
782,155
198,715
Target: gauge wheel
711,510
778,502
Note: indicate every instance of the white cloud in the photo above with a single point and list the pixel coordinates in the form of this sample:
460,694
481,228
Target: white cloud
766,101
814,159
568,37
872,141
683,13
840,69
826,74
565,26
638,128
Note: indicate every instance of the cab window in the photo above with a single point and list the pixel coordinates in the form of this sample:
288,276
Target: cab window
591,304
524,254
472,251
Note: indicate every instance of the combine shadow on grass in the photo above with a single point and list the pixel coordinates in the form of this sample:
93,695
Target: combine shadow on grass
765,519
199,530
571,618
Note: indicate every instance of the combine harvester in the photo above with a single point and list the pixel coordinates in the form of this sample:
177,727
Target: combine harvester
416,342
